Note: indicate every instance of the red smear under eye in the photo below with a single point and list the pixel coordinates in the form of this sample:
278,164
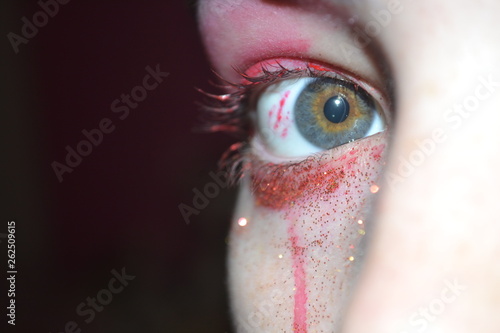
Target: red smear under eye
279,186
377,152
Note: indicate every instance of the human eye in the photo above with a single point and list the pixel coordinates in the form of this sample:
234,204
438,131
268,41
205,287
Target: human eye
287,110
311,111
306,129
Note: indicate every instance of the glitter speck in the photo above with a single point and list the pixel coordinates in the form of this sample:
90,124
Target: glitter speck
351,258
242,221
361,232
374,189
280,256
360,221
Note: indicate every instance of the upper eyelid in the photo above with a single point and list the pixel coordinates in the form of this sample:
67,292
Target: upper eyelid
228,112
383,96
314,68
286,74
232,104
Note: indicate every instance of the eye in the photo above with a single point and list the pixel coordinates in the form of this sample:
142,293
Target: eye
302,116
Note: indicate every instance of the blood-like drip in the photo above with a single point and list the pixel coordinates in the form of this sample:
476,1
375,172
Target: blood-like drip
279,116
300,310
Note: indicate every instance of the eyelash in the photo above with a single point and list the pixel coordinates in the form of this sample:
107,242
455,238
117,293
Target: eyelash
229,113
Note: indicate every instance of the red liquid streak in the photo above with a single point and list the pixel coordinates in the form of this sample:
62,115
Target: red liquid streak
300,310
279,117
284,133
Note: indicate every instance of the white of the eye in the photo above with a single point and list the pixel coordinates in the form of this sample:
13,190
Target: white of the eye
377,125
276,121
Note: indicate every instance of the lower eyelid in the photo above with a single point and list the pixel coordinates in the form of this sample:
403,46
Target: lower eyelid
282,185
258,148
258,151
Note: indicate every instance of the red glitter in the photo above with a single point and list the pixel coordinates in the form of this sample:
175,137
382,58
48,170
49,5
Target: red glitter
351,162
377,152
277,186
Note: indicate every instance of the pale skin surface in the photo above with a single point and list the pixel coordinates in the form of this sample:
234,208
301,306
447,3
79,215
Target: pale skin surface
433,227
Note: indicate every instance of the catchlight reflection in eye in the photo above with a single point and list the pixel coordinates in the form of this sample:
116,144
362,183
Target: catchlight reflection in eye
302,116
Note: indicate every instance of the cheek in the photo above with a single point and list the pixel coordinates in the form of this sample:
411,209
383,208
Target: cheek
293,264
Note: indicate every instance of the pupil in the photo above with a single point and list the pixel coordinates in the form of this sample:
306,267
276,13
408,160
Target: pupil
336,109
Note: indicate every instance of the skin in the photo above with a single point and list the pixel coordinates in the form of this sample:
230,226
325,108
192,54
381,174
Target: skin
432,260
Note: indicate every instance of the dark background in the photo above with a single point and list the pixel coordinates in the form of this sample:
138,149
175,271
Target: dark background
119,207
